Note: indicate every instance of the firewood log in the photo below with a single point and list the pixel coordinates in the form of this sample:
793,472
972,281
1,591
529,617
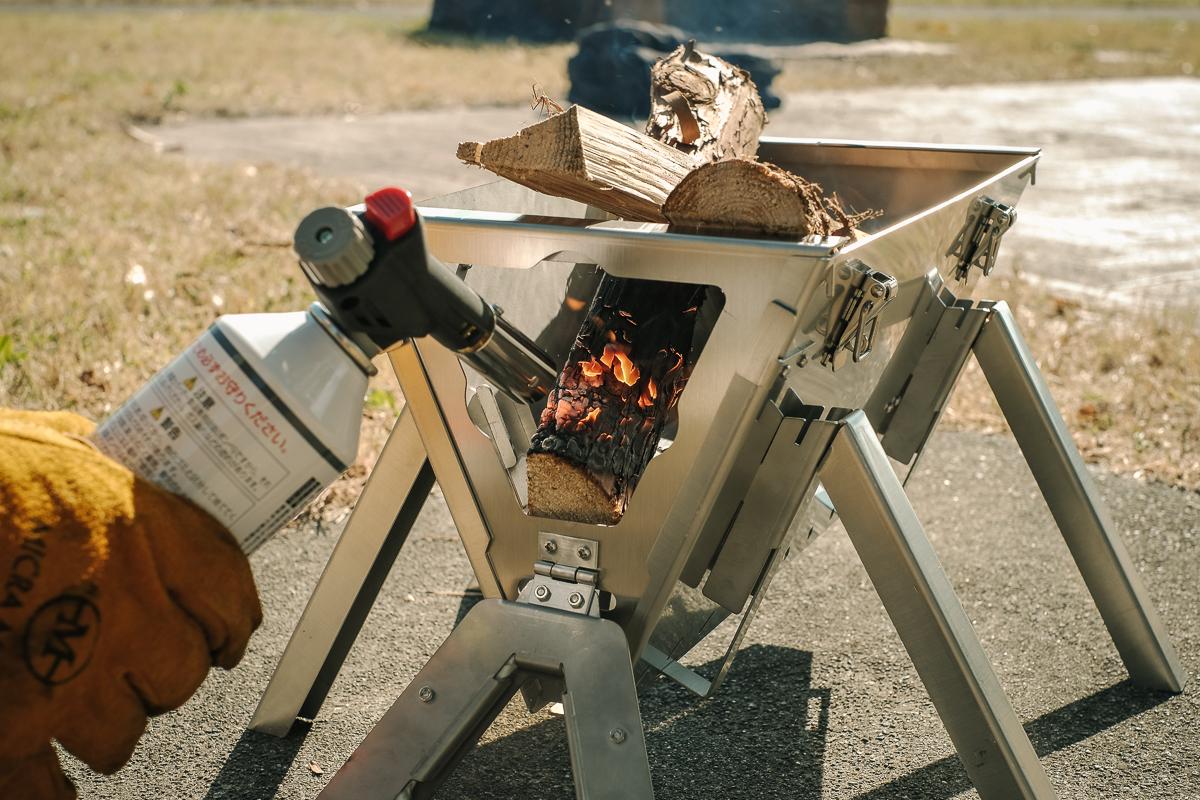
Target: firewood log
753,197
704,106
586,156
604,418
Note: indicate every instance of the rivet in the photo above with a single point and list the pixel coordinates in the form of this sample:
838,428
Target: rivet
542,593
426,694
617,735
576,600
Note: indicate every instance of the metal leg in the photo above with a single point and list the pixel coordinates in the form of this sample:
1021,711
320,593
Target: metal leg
1067,487
339,604
928,617
497,647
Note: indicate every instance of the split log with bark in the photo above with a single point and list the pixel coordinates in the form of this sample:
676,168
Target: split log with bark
586,156
740,195
704,106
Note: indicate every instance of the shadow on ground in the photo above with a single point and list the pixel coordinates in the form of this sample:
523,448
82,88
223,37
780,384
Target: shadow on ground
762,736
257,765
1053,731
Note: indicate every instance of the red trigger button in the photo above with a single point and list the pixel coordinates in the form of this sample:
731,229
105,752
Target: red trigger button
391,211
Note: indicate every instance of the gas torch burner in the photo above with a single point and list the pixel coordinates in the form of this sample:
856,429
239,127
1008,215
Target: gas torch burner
371,269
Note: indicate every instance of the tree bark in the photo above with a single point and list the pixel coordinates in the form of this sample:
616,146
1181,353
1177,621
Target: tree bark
704,106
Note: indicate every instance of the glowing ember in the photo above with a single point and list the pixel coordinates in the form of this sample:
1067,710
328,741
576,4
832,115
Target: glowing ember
591,417
648,395
678,362
623,368
591,368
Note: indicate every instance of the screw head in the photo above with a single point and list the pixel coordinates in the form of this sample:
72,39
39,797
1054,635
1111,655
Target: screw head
542,593
844,272
426,694
584,552
876,291
617,735
550,546
576,600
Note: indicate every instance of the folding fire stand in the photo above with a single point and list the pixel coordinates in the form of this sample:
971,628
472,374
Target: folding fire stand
823,368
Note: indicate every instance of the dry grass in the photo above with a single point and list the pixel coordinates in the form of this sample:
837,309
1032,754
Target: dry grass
1132,5
1127,383
993,51
81,203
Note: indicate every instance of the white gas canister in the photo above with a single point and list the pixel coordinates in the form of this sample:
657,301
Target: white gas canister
255,418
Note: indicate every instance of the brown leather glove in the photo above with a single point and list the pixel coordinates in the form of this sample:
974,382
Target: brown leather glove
115,600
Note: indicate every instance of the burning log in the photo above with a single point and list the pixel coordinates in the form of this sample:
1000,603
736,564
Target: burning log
603,420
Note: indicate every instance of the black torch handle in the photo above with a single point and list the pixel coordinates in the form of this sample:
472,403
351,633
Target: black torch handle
404,292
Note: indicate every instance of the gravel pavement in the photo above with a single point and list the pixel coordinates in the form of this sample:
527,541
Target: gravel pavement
822,702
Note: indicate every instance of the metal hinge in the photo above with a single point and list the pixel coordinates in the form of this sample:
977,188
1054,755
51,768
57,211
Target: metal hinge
568,583
977,244
858,294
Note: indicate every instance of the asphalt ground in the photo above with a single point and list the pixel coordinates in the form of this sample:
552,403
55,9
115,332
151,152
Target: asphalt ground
821,703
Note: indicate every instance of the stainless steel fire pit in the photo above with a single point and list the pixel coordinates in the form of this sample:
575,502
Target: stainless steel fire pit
824,368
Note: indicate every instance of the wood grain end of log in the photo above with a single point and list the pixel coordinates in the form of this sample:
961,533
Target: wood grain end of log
561,489
746,196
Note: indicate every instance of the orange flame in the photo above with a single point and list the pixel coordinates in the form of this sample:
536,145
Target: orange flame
591,368
624,369
591,417
648,395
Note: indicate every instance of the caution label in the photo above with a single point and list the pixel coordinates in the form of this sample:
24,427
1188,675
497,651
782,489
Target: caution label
208,427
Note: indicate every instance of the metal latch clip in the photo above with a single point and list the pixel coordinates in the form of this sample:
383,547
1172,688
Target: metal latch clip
854,319
977,244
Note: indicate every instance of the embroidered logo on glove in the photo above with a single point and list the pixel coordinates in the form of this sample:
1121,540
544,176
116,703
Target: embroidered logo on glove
61,637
